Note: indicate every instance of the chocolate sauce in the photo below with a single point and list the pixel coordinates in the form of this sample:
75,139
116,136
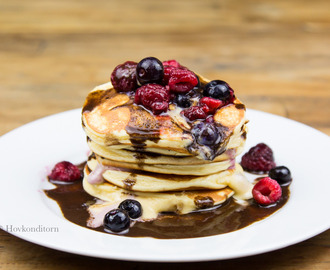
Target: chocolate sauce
97,97
130,181
240,106
244,135
203,202
228,217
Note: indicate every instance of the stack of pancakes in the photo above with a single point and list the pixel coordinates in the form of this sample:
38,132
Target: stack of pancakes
156,159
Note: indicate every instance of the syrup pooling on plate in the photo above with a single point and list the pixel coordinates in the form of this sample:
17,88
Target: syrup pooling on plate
167,140
230,216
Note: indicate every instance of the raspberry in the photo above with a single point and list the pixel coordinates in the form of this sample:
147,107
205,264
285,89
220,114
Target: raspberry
194,112
258,159
212,104
123,77
172,63
65,171
167,73
153,97
182,80
267,191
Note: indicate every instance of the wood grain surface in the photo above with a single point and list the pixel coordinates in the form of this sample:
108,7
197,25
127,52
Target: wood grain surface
275,54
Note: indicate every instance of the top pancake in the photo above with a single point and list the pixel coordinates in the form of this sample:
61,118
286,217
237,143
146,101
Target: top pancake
111,120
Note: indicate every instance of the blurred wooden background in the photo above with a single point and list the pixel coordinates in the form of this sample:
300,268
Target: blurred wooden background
275,54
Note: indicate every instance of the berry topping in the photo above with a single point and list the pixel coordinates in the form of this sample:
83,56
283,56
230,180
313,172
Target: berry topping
182,80
209,119
167,73
211,103
218,89
149,70
123,77
65,172
206,133
209,135
172,63
267,191
281,174
116,221
194,112
182,101
132,207
258,159
154,97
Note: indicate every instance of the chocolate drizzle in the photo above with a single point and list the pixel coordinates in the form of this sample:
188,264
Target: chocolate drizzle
130,181
240,106
141,128
96,98
203,202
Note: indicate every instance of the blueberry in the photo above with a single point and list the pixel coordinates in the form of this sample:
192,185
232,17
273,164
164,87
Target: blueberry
116,221
206,133
149,70
209,135
132,207
281,174
182,101
217,89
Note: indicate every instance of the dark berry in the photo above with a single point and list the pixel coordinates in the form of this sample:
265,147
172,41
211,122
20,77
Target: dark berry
116,220
209,135
217,89
212,104
259,158
267,191
182,101
123,77
153,97
182,80
132,207
206,133
281,174
194,112
172,63
149,70
65,172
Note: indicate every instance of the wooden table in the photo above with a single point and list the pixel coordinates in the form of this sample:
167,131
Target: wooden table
275,54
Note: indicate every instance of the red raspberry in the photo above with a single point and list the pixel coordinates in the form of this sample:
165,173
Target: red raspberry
205,108
266,191
65,171
167,73
258,159
123,77
212,104
194,112
172,63
182,80
153,97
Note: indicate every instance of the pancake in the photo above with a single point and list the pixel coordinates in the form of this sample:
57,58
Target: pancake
151,156
152,203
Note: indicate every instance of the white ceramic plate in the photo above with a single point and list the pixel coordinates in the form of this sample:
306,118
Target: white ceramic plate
28,152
